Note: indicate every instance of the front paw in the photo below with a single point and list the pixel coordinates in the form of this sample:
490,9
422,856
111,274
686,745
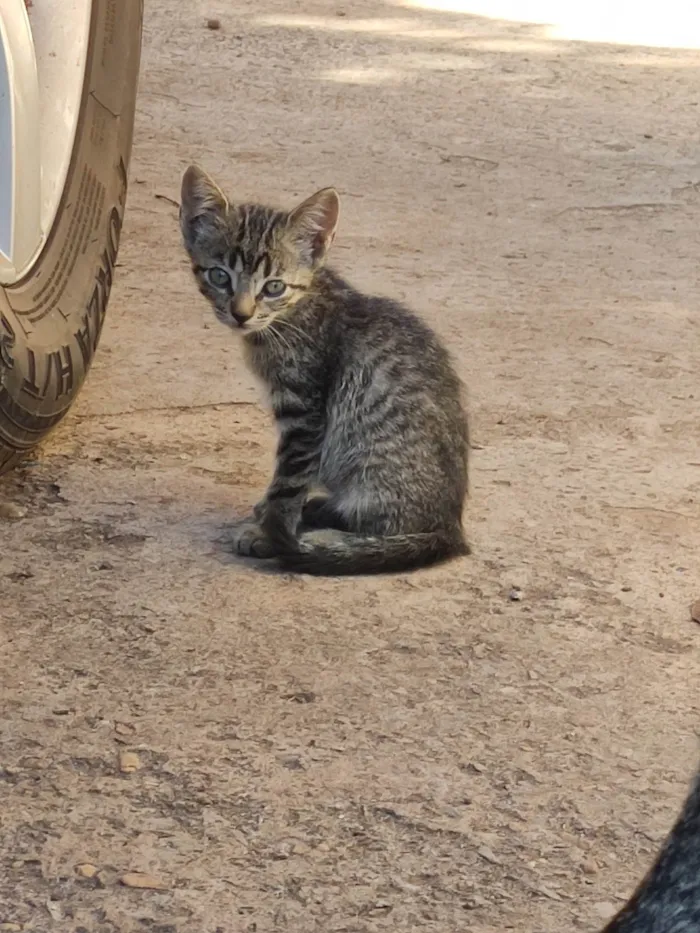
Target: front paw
249,540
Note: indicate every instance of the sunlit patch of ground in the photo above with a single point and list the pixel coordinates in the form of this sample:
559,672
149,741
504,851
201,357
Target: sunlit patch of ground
675,24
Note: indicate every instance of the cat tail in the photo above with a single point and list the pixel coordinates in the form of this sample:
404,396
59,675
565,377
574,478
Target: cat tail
328,552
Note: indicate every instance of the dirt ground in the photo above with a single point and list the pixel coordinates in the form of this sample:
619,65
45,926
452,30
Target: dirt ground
420,752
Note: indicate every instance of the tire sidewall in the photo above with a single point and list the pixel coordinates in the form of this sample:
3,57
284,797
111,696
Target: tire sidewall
51,321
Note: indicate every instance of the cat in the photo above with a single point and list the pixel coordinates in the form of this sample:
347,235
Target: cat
367,403
668,898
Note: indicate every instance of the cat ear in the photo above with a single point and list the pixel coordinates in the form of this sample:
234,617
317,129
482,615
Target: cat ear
201,202
314,222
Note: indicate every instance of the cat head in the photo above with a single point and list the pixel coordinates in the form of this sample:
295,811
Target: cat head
253,263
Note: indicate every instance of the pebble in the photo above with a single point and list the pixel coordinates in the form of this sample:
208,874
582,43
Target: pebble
282,851
515,594
139,879
451,812
489,856
214,24
292,763
86,870
129,762
124,728
474,902
604,910
548,892
11,512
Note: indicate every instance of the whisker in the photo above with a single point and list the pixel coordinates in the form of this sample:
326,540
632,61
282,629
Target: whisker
297,330
277,336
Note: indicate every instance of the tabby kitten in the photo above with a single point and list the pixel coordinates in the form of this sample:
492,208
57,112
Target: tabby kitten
668,899
366,400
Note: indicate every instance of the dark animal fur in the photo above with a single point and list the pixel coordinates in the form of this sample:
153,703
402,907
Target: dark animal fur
668,899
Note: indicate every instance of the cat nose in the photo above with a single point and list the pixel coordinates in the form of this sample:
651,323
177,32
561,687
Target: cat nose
242,309
240,319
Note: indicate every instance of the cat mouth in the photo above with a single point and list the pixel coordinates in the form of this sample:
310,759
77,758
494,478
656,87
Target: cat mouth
258,332
238,322
257,324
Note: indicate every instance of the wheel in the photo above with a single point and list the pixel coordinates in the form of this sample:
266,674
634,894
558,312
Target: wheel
68,78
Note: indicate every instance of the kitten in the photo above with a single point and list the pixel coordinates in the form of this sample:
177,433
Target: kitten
668,899
366,400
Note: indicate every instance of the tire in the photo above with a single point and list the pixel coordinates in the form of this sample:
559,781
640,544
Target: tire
51,320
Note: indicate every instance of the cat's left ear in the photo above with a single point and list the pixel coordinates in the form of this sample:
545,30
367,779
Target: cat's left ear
314,224
202,202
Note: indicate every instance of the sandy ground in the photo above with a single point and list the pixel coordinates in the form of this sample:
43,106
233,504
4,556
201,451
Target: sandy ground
411,753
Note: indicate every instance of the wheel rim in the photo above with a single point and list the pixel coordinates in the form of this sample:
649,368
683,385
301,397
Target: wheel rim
42,68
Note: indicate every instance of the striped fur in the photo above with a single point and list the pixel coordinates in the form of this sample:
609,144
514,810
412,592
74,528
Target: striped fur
367,403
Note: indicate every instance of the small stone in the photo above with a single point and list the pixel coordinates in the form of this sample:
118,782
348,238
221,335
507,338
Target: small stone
300,696
406,886
695,611
86,870
292,763
476,767
451,812
515,594
604,910
55,910
548,892
140,879
488,855
18,576
11,512
282,851
124,728
214,24
589,867
474,902
380,907
129,762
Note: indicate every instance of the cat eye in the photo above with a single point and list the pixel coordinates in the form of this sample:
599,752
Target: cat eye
274,288
218,277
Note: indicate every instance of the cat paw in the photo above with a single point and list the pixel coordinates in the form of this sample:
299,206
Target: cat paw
249,540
